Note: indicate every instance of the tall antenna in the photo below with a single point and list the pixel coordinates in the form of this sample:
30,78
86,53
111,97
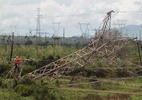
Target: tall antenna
38,30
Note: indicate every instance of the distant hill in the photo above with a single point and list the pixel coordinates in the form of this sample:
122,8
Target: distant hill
133,30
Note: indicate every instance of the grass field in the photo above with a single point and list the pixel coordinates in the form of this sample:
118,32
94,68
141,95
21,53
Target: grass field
90,83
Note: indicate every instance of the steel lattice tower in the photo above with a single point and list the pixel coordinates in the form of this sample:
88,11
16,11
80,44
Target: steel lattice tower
38,30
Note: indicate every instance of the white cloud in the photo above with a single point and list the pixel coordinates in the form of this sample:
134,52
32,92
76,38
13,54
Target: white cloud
22,13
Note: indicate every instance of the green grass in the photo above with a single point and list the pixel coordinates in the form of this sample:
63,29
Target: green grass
37,53
9,94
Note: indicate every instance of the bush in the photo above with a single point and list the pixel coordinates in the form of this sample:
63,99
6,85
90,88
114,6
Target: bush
123,73
40,63
28,69
24,90
57,83
0,81
57,57
3,84
9,95
93,97
4,68
102,73
27,81
43,93
50,57
25,87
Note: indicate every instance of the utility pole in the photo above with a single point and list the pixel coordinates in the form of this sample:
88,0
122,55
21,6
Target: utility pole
139,53
10,53
12,46
141,25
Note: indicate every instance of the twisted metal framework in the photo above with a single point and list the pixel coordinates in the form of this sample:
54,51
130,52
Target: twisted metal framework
102,45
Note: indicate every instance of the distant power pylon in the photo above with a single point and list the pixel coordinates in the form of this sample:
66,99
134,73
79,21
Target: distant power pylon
84,30
30,32
120,24
38,30
56,28
45,33
1,31
13,29
63,38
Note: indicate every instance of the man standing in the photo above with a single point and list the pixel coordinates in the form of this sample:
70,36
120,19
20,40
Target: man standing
17,64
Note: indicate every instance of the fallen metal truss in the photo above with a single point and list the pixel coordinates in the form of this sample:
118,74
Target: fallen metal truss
104,44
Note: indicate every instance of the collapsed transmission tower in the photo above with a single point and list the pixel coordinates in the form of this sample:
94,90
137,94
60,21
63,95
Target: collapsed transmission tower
101,45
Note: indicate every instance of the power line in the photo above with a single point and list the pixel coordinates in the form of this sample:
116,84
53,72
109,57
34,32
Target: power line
73,15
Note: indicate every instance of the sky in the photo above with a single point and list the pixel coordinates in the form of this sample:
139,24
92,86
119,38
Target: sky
65,16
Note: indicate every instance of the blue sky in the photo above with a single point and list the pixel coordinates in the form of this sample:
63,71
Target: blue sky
20,15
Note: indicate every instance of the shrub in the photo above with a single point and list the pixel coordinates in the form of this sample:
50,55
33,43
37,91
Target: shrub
102,73
43,93
4,68
24,90
93,97
3,84
50,57
57,57
10,95
123,73
28,69
0,81
27,81
57,83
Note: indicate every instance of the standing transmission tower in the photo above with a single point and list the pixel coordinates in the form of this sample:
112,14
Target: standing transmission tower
84,31
38,30
121,25
56,29
56,37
